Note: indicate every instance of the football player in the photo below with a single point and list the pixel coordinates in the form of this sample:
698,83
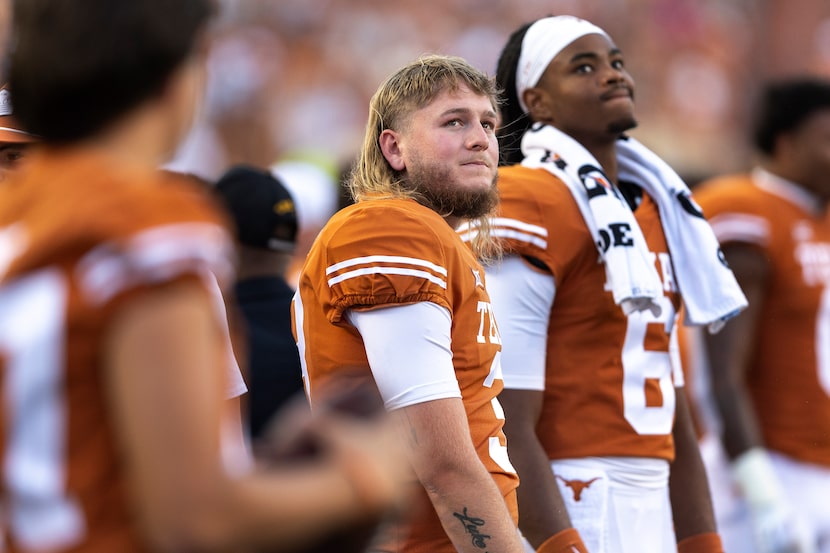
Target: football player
389,294
770,369
113,352
587,296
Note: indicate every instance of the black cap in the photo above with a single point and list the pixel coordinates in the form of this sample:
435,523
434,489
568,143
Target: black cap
261,207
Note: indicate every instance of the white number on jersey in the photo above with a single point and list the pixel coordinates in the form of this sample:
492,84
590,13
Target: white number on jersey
640,365
32,340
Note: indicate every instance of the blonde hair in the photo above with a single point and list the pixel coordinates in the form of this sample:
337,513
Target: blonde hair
407,90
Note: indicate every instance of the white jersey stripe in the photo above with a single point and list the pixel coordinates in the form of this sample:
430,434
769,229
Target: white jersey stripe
385,259
388,271
154,255
740,228
466,226
468,235
520,225
299,324
32,337
504,227
472,227
521,237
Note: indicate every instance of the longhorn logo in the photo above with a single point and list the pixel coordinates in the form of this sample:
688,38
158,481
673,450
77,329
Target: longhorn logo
578,486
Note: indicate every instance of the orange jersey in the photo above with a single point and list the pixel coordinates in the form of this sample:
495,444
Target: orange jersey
381,253
80,237
609,387
789,372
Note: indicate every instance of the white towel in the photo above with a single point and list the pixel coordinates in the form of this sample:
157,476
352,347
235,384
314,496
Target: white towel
710,292
629,268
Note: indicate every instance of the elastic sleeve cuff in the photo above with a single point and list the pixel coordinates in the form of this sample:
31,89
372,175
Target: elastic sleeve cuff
701,543
566,541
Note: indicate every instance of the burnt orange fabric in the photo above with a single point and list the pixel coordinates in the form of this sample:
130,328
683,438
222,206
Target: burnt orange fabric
702,543
566,541
789,372
609,389
92,235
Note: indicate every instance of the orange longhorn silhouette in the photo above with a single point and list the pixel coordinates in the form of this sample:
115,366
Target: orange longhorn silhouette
578,486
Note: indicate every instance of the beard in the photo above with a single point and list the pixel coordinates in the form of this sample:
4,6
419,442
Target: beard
437,190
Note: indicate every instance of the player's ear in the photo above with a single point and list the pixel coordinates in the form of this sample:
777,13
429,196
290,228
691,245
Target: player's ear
390,146
536,101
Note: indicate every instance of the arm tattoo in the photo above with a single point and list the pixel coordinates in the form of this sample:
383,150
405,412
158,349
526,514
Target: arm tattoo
471,525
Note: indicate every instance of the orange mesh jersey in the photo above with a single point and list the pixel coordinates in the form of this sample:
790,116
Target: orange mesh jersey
609,387
387,252
789,371
77,238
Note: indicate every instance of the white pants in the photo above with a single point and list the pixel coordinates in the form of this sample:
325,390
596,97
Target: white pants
618,504
807,488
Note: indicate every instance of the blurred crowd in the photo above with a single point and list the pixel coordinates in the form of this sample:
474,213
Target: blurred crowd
292,78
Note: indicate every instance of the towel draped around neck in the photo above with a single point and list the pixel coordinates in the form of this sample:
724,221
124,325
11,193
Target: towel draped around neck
710,292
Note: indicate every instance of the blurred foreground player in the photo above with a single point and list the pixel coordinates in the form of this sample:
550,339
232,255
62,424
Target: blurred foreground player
111,349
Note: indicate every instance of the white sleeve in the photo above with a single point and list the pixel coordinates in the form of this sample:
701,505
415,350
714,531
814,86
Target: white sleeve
409,352
522,299
234,384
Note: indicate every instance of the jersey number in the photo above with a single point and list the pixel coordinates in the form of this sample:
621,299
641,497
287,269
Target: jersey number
32,312
498,452
643,368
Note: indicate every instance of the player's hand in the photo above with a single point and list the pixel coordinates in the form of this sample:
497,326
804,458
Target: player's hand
352,431
777,529
352,435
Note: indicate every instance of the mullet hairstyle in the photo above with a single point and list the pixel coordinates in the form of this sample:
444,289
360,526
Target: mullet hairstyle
407,90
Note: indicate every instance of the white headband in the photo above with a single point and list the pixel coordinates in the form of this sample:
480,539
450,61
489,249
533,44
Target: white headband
542,42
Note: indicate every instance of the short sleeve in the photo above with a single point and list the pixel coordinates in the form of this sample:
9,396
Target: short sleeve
385,256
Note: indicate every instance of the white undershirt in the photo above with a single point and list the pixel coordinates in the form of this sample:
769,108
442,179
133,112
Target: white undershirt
234,383
522,298
409,352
